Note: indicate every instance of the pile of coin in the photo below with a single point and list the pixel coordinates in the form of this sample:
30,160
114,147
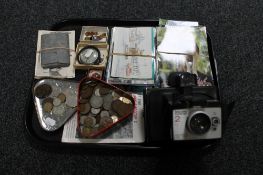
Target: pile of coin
100,106
54,105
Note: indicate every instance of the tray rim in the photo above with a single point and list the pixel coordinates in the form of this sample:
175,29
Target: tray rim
137,146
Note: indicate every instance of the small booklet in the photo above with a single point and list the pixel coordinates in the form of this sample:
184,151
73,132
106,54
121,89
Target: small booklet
55,54
130,130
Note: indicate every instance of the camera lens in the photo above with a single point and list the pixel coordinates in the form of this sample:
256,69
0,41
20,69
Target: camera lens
199,123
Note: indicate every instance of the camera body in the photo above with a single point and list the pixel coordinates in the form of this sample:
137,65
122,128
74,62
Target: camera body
196,123
182,112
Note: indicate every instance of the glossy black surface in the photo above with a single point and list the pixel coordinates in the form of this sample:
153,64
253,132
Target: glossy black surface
38,135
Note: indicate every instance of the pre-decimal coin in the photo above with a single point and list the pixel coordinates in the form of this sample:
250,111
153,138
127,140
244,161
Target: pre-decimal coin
84,108
62,97
97,92
96,101
114,118
43,91
104,90
95,111
59,110
89,121
86,131
105,121
56,101
104,114
107,100
47,107
87,92
121,108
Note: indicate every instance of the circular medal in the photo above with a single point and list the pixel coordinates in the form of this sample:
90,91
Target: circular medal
89,55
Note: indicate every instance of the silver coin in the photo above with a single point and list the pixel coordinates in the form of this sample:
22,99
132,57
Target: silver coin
56,101
114,118
82,118
96,101
105,91
71,101
97,92
107,100
104,114
59,110
95,110
115,95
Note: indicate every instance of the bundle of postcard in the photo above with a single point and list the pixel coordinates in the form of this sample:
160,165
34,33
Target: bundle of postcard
147,55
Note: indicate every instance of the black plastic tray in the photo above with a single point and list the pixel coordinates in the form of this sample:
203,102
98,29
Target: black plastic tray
53,139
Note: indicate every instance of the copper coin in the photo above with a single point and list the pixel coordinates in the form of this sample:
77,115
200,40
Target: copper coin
111,112
104,91
84,100
105,121
84,86
84,108
43,91
62,97
48,100
87,92
47,107
86,131
89,121
121,108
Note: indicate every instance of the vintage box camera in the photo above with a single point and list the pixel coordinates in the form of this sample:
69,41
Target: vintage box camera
183,111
